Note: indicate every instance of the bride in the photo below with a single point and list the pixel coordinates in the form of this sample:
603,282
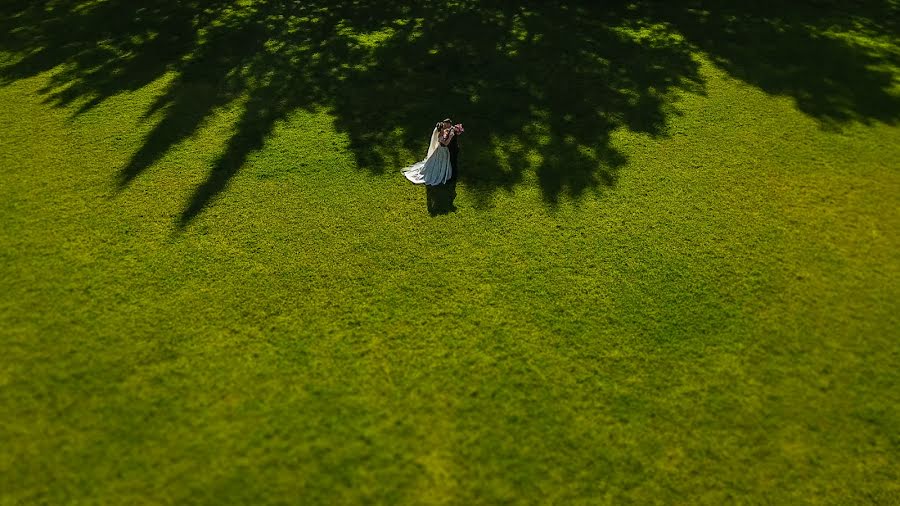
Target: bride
435,169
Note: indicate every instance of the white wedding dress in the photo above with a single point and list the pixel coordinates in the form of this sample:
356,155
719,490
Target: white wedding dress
435,169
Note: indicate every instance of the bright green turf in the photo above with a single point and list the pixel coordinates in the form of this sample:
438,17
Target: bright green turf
716,322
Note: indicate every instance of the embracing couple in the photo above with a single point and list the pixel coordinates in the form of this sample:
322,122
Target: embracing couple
439,165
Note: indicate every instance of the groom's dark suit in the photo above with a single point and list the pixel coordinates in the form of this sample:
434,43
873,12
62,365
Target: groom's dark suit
453,147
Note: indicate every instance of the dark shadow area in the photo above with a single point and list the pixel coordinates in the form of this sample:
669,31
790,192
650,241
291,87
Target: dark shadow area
794,49
439,199
540,86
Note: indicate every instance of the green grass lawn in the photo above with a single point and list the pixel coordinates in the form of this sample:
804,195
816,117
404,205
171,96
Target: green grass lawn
668,273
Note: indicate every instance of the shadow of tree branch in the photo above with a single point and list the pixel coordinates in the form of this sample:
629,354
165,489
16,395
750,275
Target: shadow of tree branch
541,86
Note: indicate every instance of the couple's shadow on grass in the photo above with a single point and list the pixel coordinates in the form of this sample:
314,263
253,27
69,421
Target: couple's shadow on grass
440,198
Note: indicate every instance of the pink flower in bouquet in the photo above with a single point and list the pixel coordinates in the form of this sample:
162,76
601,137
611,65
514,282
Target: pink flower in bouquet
458,128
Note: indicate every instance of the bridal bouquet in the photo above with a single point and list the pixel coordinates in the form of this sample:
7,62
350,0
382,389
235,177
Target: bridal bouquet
458,128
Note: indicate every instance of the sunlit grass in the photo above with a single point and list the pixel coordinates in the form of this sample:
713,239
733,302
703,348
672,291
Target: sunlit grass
715,324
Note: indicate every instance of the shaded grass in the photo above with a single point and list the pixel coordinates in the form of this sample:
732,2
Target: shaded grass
717,326
545,99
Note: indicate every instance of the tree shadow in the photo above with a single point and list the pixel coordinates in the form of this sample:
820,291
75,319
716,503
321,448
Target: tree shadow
810,51
541,86
536,97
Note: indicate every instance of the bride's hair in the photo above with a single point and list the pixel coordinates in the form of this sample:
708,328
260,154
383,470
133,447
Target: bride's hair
441,124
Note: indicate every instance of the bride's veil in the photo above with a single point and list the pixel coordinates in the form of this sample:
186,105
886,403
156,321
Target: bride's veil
433,144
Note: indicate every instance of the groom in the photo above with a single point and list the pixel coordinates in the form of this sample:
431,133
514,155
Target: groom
454,158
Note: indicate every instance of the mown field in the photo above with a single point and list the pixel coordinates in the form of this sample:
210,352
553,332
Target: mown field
668,271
